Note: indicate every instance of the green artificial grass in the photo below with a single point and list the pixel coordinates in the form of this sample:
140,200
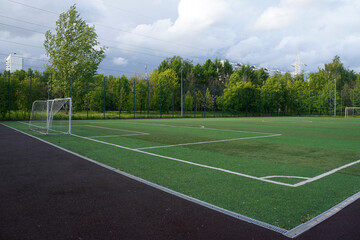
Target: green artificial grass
307,147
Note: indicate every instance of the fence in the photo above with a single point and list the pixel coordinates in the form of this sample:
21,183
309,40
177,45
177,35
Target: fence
120,98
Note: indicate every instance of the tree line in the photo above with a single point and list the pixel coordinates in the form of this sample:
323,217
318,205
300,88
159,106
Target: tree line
212,86
74,56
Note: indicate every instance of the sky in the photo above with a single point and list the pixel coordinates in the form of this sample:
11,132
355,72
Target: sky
139,34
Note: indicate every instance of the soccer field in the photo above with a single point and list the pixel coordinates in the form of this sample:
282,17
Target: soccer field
279,170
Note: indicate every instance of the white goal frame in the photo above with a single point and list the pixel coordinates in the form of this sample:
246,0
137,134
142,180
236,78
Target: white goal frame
350,108
51,111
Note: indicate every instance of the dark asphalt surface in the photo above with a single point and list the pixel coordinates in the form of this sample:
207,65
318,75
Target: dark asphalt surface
46,193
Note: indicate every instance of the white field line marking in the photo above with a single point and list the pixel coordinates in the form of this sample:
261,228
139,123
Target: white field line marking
288,121
200,127
224,170
282,176
34,125
228,171
116,129
214,141
101,136
187,162
326,174
124,135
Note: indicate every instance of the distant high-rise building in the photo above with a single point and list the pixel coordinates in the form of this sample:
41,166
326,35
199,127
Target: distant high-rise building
14,62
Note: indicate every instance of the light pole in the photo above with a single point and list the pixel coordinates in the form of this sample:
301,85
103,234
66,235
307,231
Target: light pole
335,100
182,111
148,90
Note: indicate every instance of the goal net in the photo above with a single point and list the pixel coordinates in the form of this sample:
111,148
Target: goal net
51,116
352,112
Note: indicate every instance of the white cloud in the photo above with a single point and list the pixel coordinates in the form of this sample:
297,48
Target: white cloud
261,32
195,19
120,61
196,15
275,18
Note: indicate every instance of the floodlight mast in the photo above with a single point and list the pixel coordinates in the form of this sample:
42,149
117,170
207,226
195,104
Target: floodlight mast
182,110
148,90
335,99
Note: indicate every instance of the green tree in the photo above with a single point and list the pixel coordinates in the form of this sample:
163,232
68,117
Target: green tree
125,94
237,97
4,95
261,77
247,74
199,100
210,75
198,74
298,93
317,80
30,89
177,64
209,100
140,94
275,94
189,101
163,85
74,54
224,71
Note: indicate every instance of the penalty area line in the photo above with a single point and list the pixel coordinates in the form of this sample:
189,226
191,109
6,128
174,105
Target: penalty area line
326,174
206,142
186,162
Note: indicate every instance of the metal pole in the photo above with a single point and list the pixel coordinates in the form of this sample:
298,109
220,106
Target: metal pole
181,95
239,102
160,100
341,107
119,98
231,106
104,97
148,90
309,103
353,101
335,100
30,93
173,100
184,107
204,101
69,87
195,104
330,93
319,103
87,98
9,93
134,99
270,96
50,86
213,106
148,98
223,99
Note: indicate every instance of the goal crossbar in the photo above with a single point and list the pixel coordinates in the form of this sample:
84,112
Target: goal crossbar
354,110
51,116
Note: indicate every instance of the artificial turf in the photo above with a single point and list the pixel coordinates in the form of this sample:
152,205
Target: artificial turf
307,147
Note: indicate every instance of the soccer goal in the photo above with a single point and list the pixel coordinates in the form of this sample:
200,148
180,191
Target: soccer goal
352,112
51,116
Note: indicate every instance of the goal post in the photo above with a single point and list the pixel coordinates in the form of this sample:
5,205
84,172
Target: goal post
51,116
352,112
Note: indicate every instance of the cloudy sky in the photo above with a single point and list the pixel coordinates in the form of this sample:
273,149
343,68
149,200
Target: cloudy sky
266,33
